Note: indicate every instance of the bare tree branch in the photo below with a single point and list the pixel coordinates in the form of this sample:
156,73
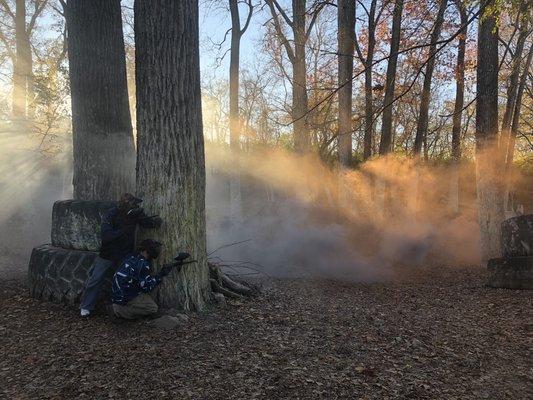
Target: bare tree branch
7,45
6,8
39,7
282,12
248,18
317,10
443,43
279,31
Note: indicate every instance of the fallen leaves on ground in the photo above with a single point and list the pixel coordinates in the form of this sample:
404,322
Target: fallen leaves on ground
436,334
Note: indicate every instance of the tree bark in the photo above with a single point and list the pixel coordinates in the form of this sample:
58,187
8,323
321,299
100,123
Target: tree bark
104,152
346,37
458,110
386,125
422,123
489,188
170,164
369,105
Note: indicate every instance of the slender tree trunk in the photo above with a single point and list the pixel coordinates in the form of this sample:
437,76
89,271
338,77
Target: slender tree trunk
300,106
512,89
20,63
30,82
516,121
422,124
104,152
171,165
458,110
369,101
488,169
235,124
459,85
346,37
234,75
386,125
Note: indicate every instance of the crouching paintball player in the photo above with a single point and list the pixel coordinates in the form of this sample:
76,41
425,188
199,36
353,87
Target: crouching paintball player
133,281
118,241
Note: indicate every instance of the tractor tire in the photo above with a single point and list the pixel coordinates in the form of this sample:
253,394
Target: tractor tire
511,273
517,236
59,275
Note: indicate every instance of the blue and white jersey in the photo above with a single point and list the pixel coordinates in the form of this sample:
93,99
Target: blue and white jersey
133,278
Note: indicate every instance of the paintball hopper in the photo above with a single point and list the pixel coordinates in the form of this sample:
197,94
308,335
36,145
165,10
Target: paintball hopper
181,257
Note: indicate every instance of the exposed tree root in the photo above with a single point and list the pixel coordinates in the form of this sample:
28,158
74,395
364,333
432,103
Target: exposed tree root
221,283
217,288
235,286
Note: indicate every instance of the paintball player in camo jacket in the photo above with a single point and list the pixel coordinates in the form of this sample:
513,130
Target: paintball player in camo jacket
118,241
134,280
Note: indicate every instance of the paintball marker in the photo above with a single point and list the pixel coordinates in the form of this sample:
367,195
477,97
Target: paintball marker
137,215
179,261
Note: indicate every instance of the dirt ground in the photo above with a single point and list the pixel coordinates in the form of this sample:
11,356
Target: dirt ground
437,334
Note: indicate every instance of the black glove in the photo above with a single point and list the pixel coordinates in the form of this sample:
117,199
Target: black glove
155,222
128,228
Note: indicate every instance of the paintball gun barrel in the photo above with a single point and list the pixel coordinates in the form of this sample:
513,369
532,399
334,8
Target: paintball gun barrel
138,214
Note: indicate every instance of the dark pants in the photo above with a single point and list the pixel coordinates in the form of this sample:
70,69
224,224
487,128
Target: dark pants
97,276
141,306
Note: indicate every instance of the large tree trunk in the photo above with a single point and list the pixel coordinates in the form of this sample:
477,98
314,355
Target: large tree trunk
171,165
299,84
458,110
369,101
346,36
489,190
422,123
386,125
20,64
104,152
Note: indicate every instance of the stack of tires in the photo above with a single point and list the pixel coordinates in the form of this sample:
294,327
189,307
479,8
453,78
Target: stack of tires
58,271
515,269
